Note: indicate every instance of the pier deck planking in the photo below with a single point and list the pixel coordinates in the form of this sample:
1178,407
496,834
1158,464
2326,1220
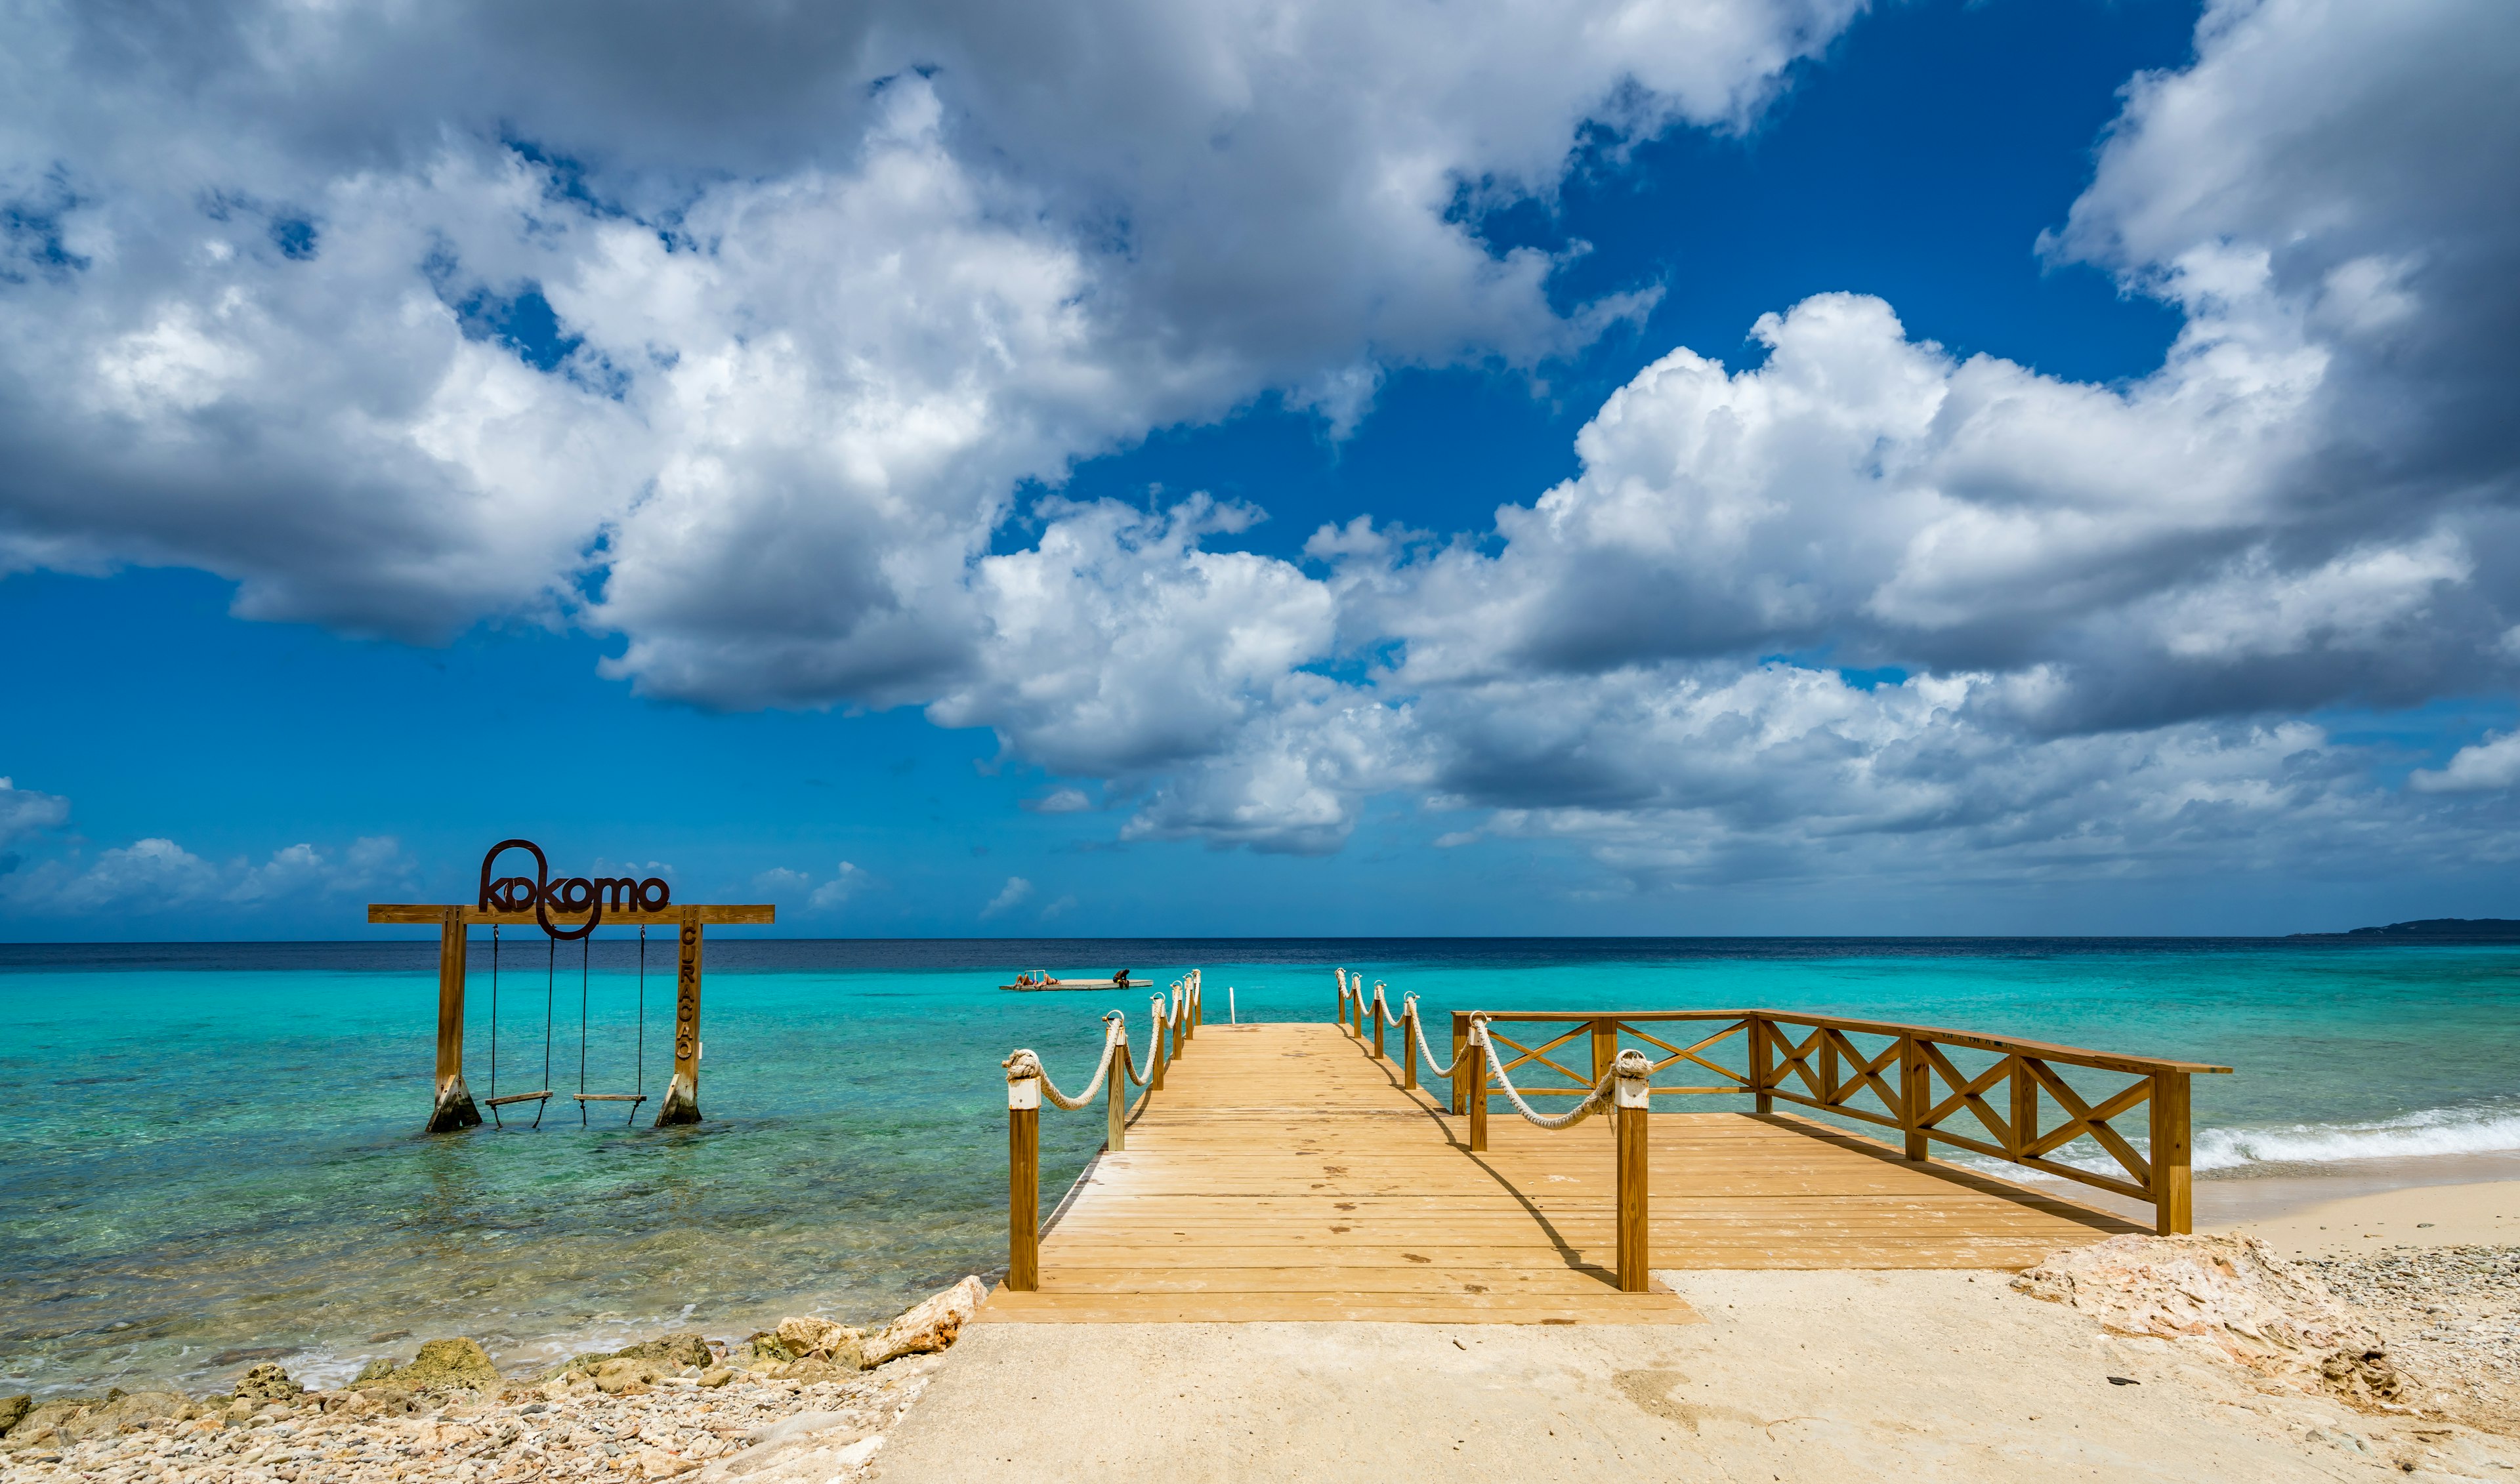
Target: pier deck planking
1285,1173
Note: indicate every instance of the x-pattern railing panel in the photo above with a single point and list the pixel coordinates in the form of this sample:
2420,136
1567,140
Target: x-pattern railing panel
1538,1053
1921,1087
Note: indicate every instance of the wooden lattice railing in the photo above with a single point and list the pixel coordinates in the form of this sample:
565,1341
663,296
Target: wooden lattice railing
1988,1095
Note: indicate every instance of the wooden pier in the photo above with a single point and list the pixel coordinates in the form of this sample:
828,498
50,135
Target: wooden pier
1288,1172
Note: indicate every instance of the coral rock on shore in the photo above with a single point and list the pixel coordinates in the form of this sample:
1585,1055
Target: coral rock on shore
931,1326
456,1365
2230,1293
448,1416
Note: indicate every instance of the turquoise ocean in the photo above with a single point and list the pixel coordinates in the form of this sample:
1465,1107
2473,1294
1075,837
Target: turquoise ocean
211,1153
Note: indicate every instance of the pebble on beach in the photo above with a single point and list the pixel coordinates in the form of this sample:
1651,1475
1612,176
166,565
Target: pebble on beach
789,1403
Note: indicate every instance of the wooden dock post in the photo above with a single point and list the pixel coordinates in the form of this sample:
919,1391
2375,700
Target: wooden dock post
1377,1024
1633,1096
1476,1065
682,1102
1023,1184
452,1106
1605,1046
1116,1134
1156,1056
1916,1094
1460,1039
1343,1001
2173,1194
1409,1045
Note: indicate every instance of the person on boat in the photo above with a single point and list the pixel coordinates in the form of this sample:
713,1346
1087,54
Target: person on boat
1121,979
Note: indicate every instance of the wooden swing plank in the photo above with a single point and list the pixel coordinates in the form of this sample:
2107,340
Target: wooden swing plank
610,1097
515,1097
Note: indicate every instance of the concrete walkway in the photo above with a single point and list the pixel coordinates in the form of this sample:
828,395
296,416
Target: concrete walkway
1829,1375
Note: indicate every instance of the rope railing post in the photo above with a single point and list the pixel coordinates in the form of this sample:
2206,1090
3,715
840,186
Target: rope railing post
1634,1096
1173,1022
2172,1194
1460,1042
1409,1042
1474,1061
1378,1022
1116,1113
1343,1001
1155,1054
1023,1173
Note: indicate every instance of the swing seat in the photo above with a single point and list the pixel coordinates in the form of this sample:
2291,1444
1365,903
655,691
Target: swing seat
544,1097
632,1099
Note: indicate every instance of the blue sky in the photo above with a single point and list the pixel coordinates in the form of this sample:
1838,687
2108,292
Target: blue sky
881,473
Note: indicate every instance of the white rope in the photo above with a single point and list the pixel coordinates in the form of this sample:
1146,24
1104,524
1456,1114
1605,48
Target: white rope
1417,1028
1599,1094
1026,1062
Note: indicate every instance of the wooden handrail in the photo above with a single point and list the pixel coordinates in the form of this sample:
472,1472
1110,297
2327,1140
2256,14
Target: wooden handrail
1811,1061
2006,1045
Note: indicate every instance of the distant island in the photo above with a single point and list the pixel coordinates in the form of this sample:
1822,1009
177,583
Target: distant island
2435,929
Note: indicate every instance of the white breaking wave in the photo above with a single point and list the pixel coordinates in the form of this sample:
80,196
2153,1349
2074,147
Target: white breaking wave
2472,1130
2434,1131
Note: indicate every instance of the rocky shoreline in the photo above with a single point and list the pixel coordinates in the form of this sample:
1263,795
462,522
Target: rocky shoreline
809,1400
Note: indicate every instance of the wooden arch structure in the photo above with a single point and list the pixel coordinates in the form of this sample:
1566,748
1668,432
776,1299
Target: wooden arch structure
564,908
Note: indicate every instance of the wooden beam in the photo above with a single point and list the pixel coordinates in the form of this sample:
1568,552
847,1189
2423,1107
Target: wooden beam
452,1106
756,913
682,1102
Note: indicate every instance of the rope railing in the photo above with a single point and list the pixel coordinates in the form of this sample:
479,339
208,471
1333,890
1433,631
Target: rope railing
1623,1082
1028,1084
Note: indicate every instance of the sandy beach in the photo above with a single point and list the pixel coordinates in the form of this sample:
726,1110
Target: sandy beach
1958,1376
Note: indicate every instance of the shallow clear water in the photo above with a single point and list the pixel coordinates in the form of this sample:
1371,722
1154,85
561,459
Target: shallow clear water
212,1149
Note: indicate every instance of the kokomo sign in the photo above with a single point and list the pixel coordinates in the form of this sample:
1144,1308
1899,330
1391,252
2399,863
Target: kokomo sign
543,896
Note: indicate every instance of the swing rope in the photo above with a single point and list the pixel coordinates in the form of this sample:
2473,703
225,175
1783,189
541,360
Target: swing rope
586,957
642,1086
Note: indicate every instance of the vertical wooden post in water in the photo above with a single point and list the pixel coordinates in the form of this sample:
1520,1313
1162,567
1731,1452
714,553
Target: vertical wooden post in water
1461,1071
2172,1193
1635,1103
1023,1184
1474,1062
1762,1057
452,1107
682,1102
1916,1094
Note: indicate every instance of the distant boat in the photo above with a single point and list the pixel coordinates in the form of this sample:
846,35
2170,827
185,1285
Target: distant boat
1041,979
